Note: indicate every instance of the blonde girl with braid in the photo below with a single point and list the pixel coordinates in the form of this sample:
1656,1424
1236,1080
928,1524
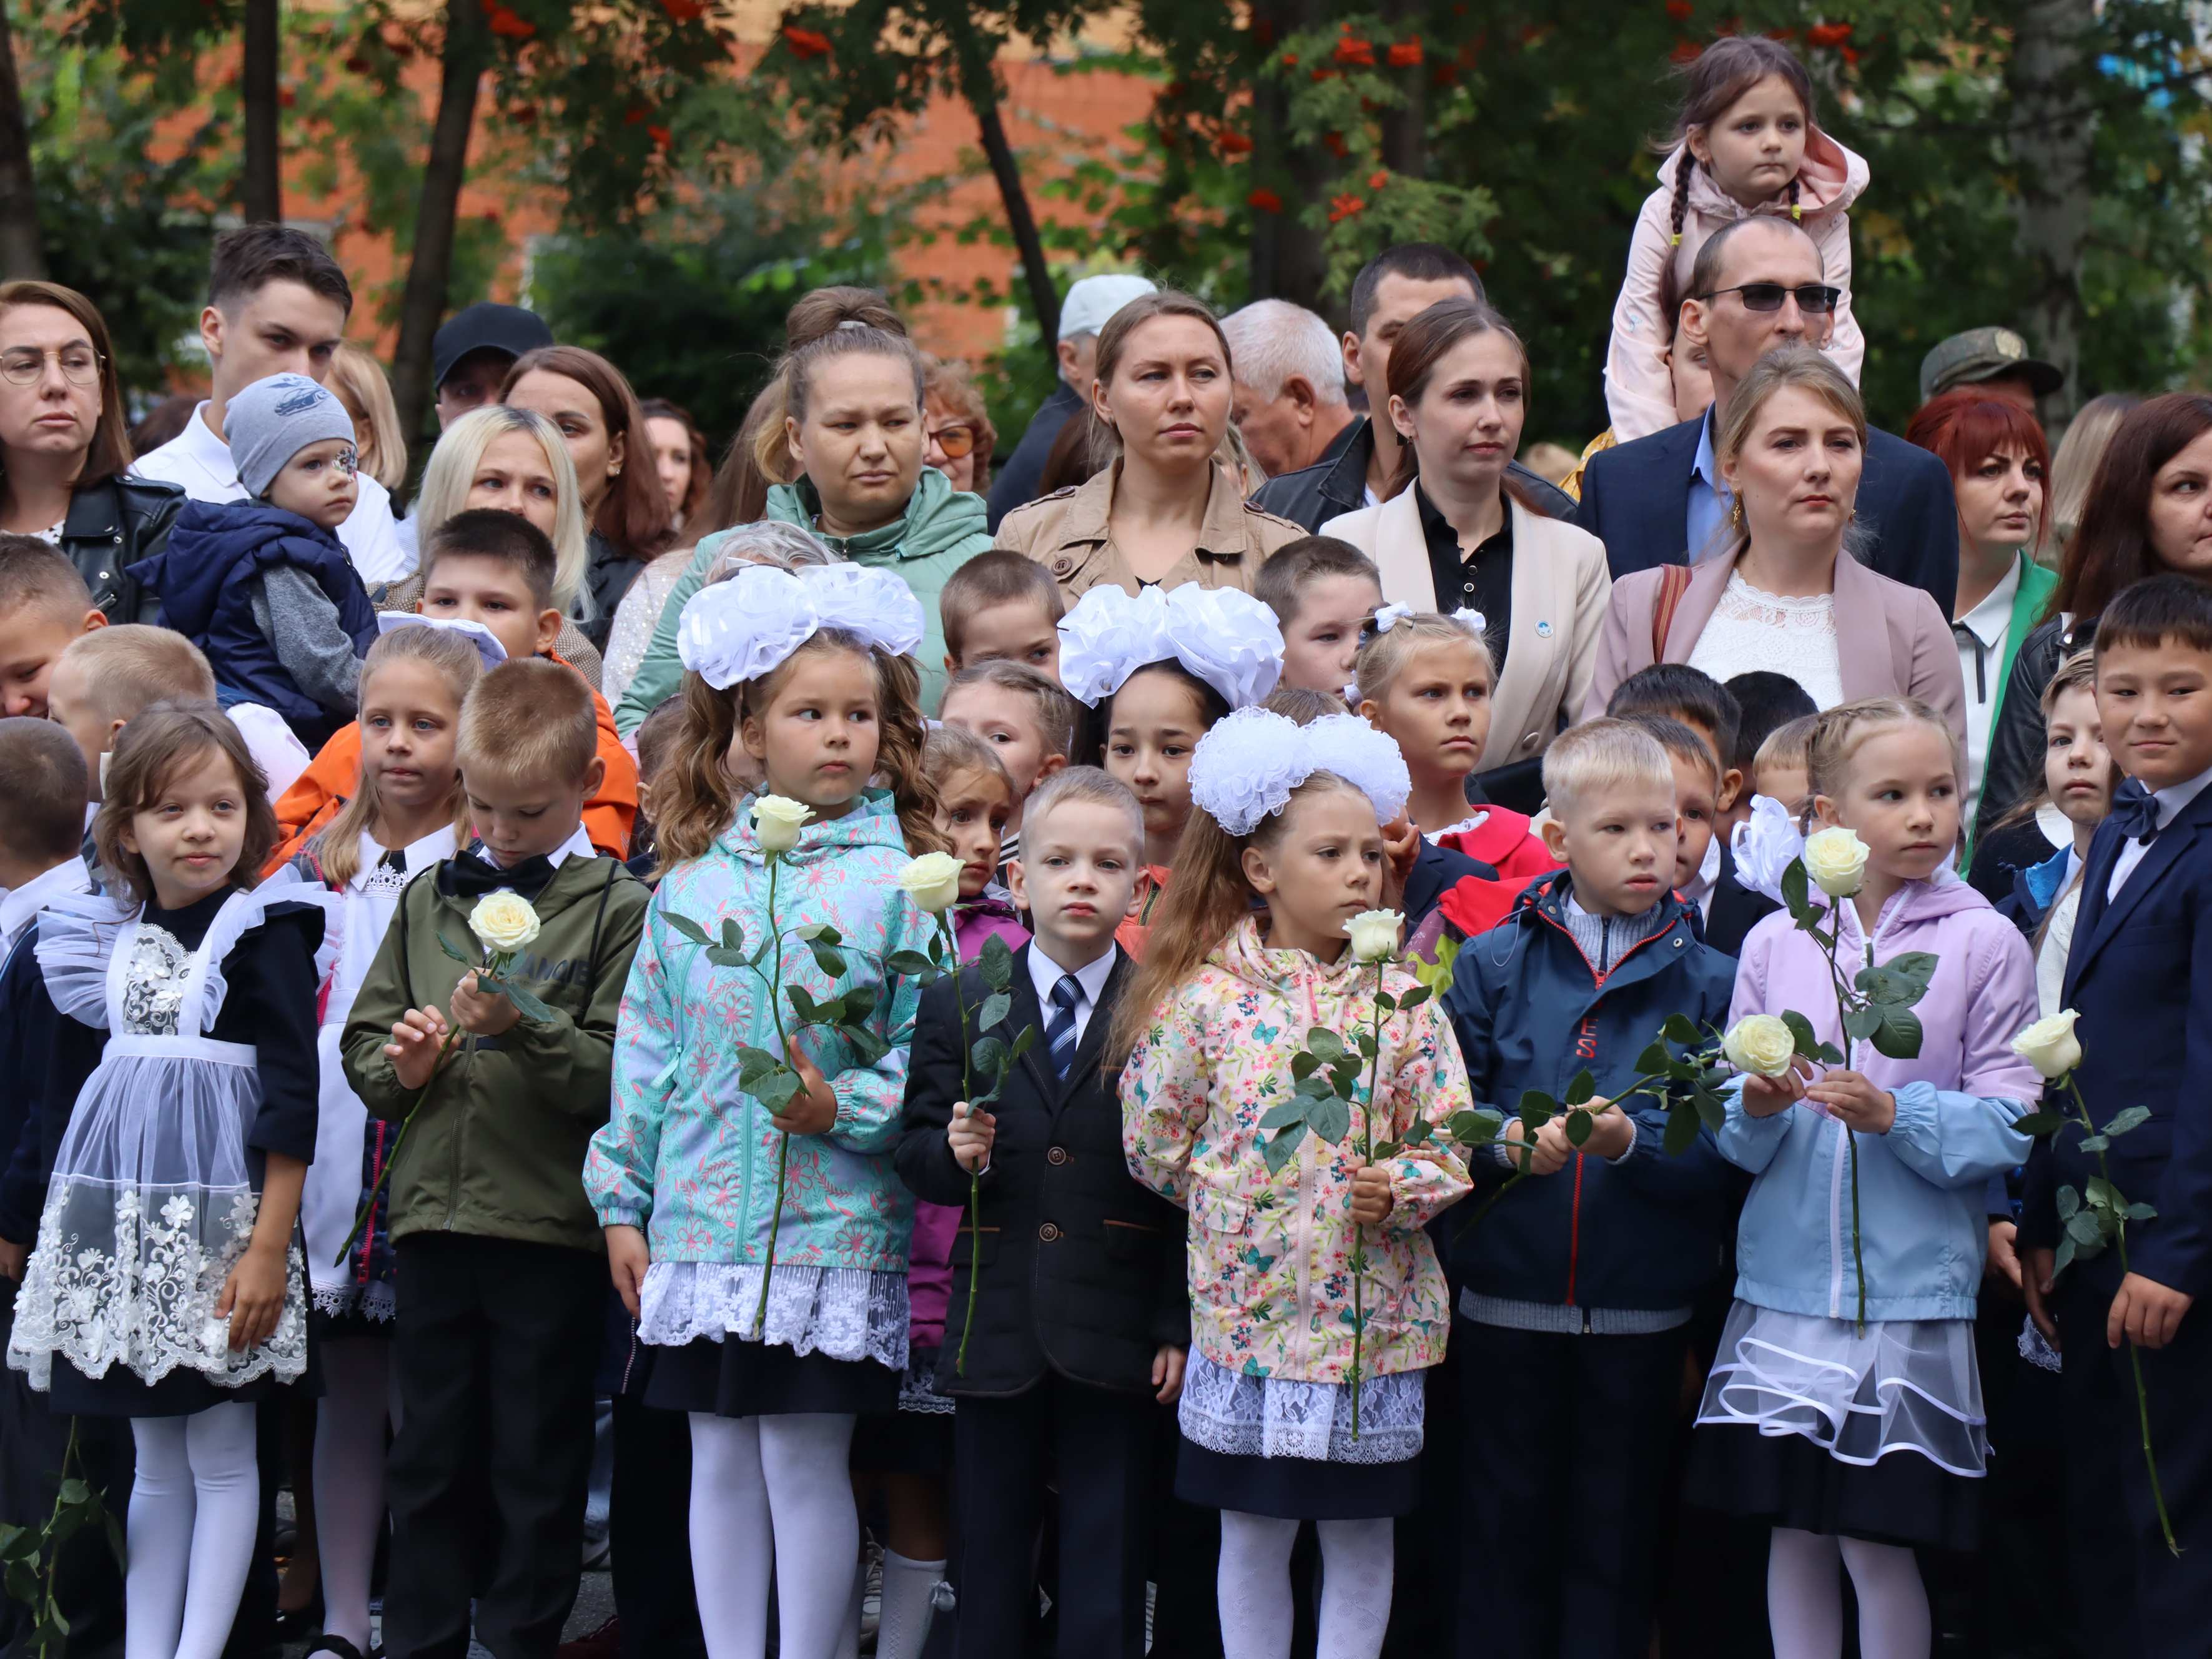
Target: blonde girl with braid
1747,142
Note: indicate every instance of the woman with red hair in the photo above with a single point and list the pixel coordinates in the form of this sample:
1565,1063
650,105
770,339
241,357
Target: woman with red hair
2000,467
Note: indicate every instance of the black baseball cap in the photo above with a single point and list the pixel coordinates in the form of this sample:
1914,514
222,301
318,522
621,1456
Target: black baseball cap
485,327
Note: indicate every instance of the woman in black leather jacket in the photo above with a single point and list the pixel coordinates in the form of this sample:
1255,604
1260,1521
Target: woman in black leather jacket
2149,511
66,450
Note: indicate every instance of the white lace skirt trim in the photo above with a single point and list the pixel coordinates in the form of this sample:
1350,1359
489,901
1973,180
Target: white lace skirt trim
1905,1385
847,1313
918,1387
1243,1416
379,1302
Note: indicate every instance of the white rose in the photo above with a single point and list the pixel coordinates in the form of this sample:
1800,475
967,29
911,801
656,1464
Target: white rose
777,822
1761,1043
1836,859
2050,1045
1374,934
503,921
933,881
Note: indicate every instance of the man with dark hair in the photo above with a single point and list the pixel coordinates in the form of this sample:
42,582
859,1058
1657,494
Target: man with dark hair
472,351
1392,288
1758,286
278,303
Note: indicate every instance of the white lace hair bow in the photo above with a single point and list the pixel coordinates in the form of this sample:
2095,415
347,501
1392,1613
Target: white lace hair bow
1391,615
745,627
1221,635
1246,766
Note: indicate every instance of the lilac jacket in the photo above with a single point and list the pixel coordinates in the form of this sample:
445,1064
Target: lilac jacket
1922,1228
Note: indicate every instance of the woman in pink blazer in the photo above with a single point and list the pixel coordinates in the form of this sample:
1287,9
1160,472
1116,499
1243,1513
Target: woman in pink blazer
1783,592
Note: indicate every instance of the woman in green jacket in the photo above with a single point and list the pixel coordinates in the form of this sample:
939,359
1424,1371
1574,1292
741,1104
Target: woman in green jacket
854,424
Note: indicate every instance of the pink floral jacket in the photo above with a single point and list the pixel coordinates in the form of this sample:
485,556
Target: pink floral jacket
1270,1255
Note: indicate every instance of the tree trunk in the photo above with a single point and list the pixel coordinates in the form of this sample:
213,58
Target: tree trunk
2053,127
260,191
423,305
979,85
21,253
1286,261
1405,129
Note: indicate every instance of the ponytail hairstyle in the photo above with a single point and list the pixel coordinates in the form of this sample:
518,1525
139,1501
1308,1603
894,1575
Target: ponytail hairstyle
1114,341
1839,733
336,848
1382,655
1420,346
1206,897
695,798
1721,74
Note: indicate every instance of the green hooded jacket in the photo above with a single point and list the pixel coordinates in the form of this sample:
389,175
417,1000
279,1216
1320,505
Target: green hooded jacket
498,1151
941,530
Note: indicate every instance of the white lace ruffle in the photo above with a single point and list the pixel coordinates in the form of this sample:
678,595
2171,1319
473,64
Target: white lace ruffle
379,1302
1245,1416
918,1387
77,935
1751,630
1905,1385
847,1313
130,1276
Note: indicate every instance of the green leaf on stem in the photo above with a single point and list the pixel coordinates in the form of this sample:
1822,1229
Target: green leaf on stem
1537,1109
1582,1090
2103,1195
912,964
1711,1109
776,1092
1290,1111
1304,1063
1478,1127
1682,1124
446,945
1367,1045
989,1055
1280,1149
864,1044
1796,893
2095,1143
1679,1028
1902,981
1330,1119
2069,1201
2065,1255
802,1003
525,1002
1324,1042
688,928
816,932
2041,1123
734,935
860,1002
1802,1032
997,962
1860,1023
1656,1058
1413,998
2089,1238
1899,1036
2134,1117
1386,1002
996,1007
1578,1127
1025,1040
829,959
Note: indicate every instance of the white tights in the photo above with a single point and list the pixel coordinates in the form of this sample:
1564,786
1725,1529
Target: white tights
194,1506
1805,1598
359,1395
1256,1587
759,1483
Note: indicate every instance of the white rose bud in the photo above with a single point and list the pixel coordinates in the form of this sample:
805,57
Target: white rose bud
1761,1043
1836,859
1374,934
503,921
777,822
933,881
2050,1045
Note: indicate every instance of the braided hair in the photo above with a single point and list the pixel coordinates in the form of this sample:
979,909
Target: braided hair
1722,73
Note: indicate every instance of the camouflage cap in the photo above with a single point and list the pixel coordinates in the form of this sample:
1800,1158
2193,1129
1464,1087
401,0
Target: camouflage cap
1982,354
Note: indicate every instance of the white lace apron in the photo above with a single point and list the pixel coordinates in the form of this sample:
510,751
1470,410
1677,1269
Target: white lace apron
151,1203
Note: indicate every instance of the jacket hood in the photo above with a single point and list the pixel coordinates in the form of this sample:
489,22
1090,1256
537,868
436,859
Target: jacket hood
938,518
1287,973
207,544
872,823
1919,902
1829,181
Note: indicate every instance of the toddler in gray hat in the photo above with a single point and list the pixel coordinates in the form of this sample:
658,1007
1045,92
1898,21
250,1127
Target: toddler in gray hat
294,444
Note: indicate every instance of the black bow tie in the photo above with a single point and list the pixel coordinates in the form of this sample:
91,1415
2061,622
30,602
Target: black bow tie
470,874
2135,810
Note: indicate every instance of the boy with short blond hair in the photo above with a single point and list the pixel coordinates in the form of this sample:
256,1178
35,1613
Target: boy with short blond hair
1579,1284
1001,606
1704,867
1782,769
44,606
502,1272
1029,721
1323,591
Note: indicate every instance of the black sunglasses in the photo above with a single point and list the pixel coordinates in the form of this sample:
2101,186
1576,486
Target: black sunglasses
1814,299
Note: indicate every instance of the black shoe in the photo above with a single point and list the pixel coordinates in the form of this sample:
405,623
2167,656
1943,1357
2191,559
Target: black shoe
337,1645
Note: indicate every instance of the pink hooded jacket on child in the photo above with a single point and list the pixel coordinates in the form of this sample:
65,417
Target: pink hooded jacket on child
1639,393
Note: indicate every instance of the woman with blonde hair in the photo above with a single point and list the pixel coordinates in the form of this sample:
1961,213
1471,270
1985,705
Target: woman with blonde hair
1784,593
358,380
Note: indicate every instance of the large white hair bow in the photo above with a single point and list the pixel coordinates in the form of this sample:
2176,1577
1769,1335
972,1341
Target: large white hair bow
745,627
1246,766
1221,635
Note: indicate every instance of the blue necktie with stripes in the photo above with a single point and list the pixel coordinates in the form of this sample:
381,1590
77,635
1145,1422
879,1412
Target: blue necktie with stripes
1060,1033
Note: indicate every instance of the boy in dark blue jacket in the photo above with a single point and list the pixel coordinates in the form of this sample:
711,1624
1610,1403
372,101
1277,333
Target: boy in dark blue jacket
2139,972
1577,1286
263,586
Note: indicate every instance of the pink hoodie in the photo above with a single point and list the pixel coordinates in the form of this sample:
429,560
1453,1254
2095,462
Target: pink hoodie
1638,392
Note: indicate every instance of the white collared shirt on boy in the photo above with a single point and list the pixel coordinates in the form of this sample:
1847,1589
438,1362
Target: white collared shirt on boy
1045,973
1698,890
20,906
199,460
1980,636
2170,799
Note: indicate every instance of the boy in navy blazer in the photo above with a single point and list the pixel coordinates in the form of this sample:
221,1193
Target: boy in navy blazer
2139,974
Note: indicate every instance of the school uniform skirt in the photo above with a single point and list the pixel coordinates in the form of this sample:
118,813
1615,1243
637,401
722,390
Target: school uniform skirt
828,1340
1273,1446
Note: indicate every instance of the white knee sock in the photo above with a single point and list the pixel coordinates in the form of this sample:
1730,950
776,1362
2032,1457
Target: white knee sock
349,1478
818,1532
909,1587
1355,1588
161,1539
1894,1622
1254,1586
730,1539
226,1506
1804,1597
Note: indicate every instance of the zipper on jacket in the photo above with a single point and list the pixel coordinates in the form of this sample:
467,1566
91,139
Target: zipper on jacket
1842,1139
1575,1237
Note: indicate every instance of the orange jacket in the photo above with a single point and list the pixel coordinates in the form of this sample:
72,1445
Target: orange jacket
335,773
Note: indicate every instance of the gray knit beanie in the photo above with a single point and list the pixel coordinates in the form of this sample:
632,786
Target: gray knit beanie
273,420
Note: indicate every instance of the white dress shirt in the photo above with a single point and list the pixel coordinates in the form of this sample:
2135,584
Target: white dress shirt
20,905
1045,973
1983,671
200,461
2169,803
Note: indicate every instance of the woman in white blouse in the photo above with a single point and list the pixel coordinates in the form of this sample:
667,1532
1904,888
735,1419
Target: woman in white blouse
1788,596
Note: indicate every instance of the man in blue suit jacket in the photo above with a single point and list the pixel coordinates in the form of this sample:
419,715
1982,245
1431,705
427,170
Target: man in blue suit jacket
2139,972
1658,499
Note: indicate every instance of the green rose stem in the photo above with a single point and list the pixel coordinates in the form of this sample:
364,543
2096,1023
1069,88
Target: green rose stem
1360,1232
783,1136
1850,1140
2135,1354
975,1176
